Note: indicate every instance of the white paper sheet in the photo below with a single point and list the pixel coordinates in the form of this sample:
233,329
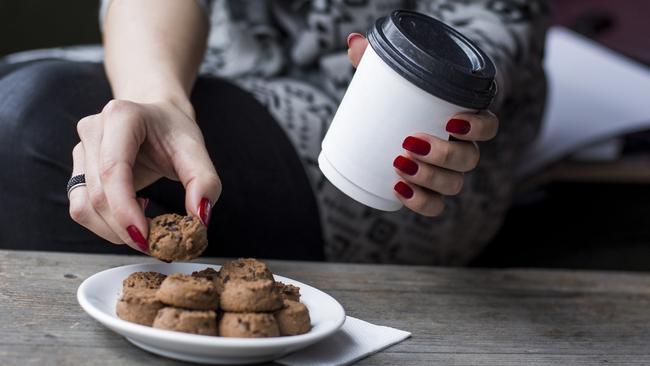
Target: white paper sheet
594,94
355,340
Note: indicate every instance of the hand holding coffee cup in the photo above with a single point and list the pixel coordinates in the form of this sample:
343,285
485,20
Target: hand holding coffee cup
392,115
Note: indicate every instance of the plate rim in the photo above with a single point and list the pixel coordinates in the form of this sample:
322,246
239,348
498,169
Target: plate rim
113,322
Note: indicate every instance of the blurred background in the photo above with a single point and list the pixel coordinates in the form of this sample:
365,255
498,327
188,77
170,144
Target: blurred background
589,210
30,24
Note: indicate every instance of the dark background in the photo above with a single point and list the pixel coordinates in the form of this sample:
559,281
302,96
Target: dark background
29,24
572,223
562,223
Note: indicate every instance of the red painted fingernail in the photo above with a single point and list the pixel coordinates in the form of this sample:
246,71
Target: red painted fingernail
137,237
403,189
352,37
458,126
416,145
406,165
204,211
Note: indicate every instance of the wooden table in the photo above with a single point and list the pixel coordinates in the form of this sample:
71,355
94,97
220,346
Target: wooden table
457,316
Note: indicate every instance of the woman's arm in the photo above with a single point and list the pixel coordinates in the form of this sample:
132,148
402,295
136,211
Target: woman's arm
153,49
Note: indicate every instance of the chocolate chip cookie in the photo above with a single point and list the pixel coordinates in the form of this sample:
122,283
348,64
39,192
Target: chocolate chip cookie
250,296
211,275
288,292
293,318
188,321
173,237
248,325
185,291
142,280
248,269
138,306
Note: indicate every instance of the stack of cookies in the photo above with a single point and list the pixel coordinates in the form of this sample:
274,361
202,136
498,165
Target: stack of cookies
240,300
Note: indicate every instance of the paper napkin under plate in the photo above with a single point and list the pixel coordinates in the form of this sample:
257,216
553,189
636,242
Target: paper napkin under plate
355,340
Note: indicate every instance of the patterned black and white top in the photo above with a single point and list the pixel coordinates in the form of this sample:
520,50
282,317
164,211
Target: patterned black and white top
291,54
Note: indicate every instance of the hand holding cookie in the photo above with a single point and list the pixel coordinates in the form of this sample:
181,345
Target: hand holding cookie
127,147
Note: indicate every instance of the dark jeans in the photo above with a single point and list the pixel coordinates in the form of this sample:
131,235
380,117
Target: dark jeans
267,208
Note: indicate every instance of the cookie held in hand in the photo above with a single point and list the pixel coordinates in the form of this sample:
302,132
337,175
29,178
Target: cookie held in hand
177,238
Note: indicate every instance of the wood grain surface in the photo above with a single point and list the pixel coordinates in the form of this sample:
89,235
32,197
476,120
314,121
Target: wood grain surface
457,316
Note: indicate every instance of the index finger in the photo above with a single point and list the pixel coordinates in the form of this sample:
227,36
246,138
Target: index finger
357,44
124,132
481,126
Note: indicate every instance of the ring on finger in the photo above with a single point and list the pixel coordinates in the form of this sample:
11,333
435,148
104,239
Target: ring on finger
76,181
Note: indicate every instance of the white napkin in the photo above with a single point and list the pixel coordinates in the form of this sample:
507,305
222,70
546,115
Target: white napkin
355,340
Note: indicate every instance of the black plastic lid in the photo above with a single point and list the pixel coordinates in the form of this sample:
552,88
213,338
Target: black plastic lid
435,57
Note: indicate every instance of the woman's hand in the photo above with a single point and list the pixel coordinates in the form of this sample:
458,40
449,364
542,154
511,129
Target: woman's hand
432,167
127,147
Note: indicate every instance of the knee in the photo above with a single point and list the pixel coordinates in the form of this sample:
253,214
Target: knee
32,87
40,104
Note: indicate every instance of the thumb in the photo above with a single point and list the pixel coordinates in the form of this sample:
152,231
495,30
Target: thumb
199,177
357,44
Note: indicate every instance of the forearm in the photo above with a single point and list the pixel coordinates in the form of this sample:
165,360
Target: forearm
153,49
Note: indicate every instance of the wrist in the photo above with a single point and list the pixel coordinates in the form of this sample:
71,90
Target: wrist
151,93
183,103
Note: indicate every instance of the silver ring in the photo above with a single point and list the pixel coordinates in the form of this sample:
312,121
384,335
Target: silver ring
76,181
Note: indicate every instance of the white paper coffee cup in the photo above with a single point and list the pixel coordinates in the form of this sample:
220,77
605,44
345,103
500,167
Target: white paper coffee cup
414,76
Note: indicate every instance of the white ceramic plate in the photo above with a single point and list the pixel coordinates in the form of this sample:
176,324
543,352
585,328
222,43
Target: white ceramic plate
99,293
